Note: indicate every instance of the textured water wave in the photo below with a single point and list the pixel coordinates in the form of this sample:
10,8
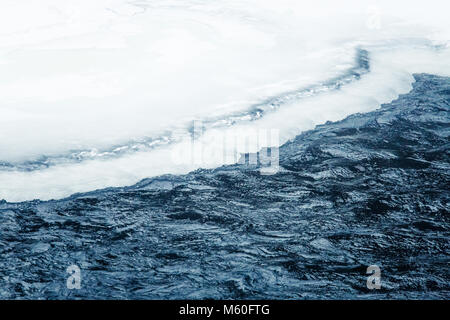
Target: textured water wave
371,189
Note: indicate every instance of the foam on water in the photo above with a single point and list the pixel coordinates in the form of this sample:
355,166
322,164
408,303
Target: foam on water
93,76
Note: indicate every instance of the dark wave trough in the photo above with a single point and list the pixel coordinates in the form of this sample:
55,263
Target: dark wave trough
368,190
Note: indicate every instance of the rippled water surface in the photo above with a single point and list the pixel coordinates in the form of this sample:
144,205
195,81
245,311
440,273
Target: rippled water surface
371,189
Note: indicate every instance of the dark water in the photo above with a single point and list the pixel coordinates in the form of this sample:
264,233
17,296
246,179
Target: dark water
372,189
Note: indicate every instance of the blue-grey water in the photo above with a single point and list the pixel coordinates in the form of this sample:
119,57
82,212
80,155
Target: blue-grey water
372,189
